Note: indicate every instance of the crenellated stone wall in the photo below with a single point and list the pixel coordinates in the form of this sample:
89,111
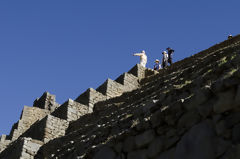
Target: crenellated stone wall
187,111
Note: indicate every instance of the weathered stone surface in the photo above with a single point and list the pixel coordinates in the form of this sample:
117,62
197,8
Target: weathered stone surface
236,134
105,153
189,119
237,97
170,154
139,154
155,147
197,143
144,138
225,101
129,144
232,153
221,146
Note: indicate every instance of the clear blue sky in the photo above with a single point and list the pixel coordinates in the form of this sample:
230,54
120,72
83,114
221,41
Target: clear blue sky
65,47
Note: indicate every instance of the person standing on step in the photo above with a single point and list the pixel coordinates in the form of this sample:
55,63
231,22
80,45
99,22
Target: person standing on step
157,65
170,53
143,58
164,59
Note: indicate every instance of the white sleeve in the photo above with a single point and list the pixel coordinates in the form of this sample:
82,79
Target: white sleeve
138,54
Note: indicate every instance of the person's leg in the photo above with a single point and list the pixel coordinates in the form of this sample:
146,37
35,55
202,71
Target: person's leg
170,61
143,63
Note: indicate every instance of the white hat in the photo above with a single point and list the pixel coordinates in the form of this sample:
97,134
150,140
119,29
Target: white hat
157,60
164,52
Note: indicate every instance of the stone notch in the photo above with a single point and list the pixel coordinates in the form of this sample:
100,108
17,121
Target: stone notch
90,97
70,110
47,129
46,101
23,148
4,142
111,88
28,117
129,81
141,72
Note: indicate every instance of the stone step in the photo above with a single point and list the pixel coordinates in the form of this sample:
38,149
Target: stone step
29,116
138,71
129,81
23,148
47,129
111,88
46,101
4,142
71,110
90,97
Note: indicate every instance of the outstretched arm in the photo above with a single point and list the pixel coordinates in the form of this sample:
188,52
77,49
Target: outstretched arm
138,54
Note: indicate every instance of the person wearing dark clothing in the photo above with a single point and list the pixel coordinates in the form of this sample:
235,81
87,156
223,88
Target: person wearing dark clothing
157,66
170,54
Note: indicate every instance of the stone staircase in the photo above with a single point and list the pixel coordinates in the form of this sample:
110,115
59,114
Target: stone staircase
144,114
47,120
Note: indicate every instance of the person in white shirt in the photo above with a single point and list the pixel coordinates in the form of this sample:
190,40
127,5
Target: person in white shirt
143,58
164,59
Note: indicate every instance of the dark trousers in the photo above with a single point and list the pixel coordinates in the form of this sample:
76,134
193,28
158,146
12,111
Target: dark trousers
170,61
164,64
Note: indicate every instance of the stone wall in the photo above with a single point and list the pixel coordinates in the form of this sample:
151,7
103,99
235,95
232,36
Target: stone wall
4,142
129,81
28,117
47,129
111,88
23,148
90,97
70,110
207,128
46,101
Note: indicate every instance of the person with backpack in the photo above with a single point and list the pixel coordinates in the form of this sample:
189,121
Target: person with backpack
170,53
143,58
164,59
157,65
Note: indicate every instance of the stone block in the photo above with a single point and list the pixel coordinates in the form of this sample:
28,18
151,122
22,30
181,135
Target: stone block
29,116
111,88
23,148
70,110
105,153
198,143
225,101
90,97
129,81
46,101
138,71
47,129
145,138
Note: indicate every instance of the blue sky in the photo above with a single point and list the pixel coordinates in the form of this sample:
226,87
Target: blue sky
65,47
